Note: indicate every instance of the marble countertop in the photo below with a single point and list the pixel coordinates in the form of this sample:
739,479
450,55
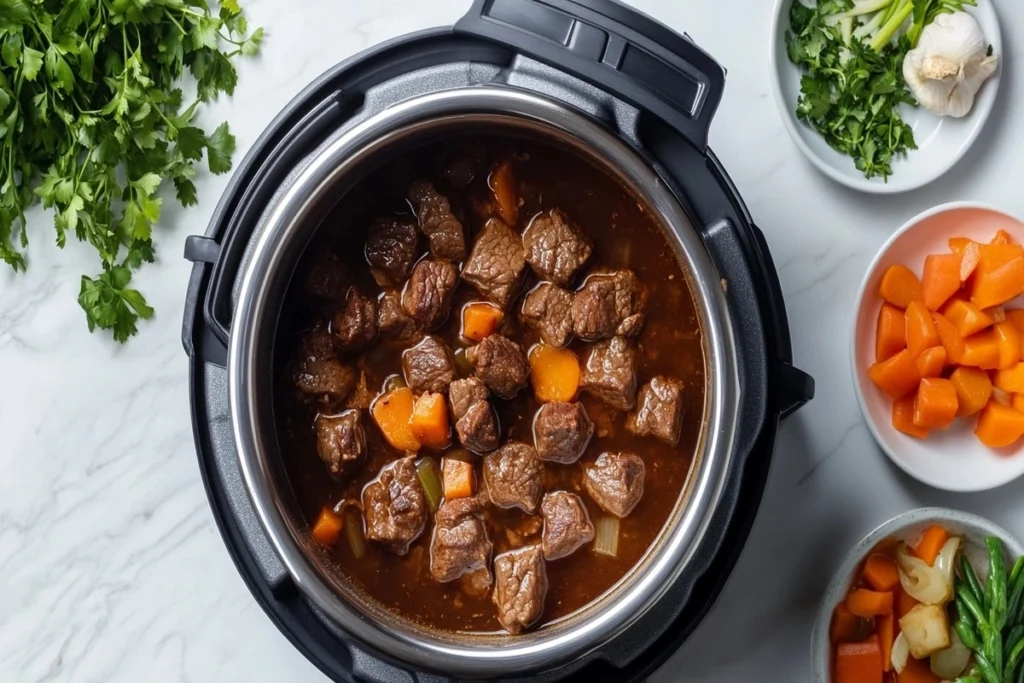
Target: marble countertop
111,566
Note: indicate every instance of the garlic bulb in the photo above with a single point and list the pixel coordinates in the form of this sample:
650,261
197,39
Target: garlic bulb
949,64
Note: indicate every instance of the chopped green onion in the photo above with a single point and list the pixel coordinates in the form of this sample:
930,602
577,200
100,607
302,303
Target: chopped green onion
394,382
890,27
868,29
430,479
606,536
462,365
866,7
354,533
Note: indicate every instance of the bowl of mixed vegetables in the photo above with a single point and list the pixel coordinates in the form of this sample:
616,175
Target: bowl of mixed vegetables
937,353
885,96
932,595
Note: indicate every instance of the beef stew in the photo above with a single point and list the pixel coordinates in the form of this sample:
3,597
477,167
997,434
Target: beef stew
492,526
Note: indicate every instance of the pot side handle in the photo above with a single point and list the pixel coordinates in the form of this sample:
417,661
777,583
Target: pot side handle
615,48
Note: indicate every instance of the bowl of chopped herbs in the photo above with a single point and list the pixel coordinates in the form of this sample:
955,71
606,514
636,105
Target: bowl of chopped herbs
837,69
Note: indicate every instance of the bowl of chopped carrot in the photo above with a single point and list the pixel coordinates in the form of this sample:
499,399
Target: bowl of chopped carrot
911,602
938,347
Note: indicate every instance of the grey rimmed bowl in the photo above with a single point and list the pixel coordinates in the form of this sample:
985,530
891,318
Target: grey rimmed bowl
907,526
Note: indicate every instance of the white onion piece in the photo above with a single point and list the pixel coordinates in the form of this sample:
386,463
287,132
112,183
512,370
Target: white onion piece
900,653
928,585
952,661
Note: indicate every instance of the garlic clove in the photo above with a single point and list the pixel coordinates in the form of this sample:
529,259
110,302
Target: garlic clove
949,65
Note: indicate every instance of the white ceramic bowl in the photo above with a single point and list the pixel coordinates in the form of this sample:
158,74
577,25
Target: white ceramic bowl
941,141
908,527
951,459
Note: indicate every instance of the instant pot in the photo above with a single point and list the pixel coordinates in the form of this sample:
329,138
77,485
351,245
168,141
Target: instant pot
604,82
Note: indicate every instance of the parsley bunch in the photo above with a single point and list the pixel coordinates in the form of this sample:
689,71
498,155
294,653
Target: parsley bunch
853,84
93,120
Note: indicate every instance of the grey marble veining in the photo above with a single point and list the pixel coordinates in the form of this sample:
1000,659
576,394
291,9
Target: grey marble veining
111,567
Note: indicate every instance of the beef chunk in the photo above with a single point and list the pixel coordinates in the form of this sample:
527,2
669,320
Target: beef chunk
355,324
327,277
555,248
608,304
459,544
548,309
438,223
513,476
567,525
392,245
496,264
317,371
561,431
340,440
428,294
616,482
609,373
659,410
500,363
392,320
395,506
520,585
475,421
428,366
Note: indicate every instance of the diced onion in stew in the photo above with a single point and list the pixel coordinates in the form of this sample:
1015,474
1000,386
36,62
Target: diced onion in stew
606,536
430,478
354,533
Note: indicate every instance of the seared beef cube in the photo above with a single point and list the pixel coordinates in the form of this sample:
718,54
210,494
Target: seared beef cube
475,421
513,476
500,363
520,585
428,366
340,440
327,277
355,324
608,304
616,482
555,248
317,371
659,410
567,525
478,428
459,545
395,506
548,309
428,294
610,373
561,431
495,266
392,320
437,222
392,246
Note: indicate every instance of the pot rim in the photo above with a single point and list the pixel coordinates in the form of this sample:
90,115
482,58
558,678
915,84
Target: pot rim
299,207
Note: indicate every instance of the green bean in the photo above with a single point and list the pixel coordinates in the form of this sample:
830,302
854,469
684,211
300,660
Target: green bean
995,589
1016,651
993,647
964,593
1018,567
1020,675
967,633
1016,614
971,578
989,673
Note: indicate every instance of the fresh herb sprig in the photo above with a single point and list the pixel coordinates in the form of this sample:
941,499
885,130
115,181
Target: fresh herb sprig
93,120
852,88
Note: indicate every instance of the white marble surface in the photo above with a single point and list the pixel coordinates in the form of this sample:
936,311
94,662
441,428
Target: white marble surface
111,567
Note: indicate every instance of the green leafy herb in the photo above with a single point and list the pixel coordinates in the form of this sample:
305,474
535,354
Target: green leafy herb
853,88
93,121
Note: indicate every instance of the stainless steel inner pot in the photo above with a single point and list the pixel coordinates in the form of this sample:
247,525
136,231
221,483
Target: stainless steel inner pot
288,227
